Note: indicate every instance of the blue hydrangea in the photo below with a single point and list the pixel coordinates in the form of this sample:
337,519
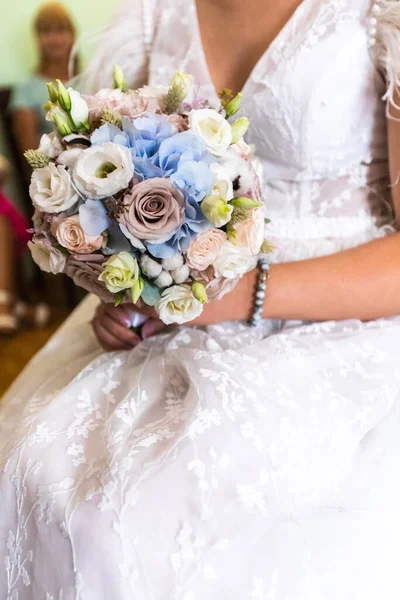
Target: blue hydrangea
195,222
195,177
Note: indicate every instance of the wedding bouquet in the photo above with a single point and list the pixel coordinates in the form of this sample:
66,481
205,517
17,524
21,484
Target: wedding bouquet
147,195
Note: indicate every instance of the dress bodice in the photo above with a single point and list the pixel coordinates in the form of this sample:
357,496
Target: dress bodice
318,122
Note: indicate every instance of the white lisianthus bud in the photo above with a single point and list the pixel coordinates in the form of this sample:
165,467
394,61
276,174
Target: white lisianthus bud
53,93
172,263
164,280
64,99
150,267
181,275
199,292
233,106
119,79
182,80
79,110
60,119
244,202
239,128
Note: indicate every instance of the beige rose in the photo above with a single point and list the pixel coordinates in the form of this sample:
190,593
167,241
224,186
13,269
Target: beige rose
205,248
85,271
71,236
154,210
250,233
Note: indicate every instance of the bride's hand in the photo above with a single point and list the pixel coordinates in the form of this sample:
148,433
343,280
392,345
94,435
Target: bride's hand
111,326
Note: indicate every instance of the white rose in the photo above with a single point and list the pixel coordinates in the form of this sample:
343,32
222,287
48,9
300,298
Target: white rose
172,263
79,108
49,259
51,189
223,186
233,261
50,145
68,158
103,170
164,279
150,267
213,128
178,305
181,275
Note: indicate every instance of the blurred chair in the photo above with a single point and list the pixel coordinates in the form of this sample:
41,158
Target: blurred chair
69,289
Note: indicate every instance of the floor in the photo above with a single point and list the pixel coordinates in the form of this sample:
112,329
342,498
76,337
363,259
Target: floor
16,351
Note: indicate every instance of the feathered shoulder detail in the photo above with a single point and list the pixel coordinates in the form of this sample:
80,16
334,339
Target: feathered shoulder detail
125,41
384,41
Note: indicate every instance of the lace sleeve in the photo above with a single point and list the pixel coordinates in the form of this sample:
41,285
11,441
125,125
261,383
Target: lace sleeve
384,40
125,41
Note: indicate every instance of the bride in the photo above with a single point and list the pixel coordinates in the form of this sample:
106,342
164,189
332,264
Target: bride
221,461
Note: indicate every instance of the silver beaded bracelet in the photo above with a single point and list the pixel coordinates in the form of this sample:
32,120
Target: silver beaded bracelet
263,276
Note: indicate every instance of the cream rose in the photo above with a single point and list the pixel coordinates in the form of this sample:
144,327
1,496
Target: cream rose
154,210
47,258
233,261
178,305
250,233
213,128
205,248
70,235
103,170
51,189
121,272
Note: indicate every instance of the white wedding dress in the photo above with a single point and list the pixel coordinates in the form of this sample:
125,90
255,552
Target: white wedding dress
228,463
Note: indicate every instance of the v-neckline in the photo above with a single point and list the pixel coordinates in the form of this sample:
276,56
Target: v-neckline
263,56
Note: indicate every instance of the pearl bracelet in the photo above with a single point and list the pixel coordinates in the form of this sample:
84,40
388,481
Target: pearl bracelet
263,276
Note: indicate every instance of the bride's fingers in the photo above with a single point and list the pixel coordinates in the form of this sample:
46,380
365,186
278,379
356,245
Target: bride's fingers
119,331
118,314
109,338
151,327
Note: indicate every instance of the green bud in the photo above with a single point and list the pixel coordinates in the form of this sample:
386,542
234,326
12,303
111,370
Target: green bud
119,79
216,210
62,125
199,292
239,128
64,99
233,106
137,290
53,93
267,247
243,202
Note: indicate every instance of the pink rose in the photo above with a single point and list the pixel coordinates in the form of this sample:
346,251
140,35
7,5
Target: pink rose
242,148
216,287
70,235
154,210
85,271
250,233
179,122
127,104
205,248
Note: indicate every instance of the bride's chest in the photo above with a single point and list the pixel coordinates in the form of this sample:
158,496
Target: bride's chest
313,96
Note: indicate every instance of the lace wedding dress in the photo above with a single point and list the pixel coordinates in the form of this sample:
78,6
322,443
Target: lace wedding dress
228,463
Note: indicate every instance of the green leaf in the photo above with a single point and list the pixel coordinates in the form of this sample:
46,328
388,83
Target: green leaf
267,221
151,294
119,297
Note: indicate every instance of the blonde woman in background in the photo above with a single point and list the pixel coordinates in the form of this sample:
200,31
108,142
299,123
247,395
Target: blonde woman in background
56,33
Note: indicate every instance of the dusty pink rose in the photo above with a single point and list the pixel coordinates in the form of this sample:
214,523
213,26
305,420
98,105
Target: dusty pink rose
179,122
85,271
249,234
153,96
71,236
242,148
205,248
127,104
216,287
154,210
